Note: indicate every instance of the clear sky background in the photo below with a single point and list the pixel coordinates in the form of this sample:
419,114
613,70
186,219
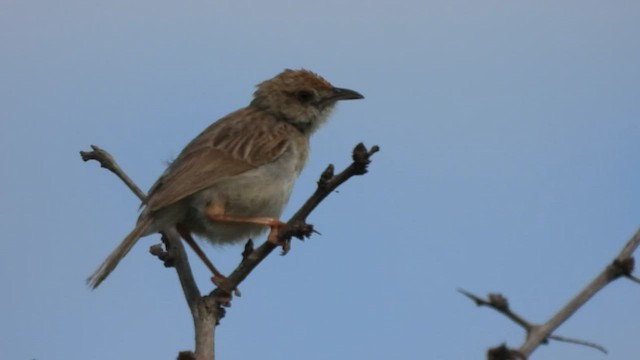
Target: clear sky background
509,131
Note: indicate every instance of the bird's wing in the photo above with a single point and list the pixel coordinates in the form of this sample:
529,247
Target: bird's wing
239,142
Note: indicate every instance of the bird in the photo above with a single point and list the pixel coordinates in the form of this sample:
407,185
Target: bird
233,181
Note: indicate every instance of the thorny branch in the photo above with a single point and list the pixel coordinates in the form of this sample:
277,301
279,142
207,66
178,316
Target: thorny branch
500,304
621,266
208,310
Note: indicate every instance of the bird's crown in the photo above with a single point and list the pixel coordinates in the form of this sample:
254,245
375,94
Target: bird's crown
300,97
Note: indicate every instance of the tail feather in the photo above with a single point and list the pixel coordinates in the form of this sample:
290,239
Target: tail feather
118,254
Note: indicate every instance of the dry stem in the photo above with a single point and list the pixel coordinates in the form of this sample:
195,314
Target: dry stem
621,266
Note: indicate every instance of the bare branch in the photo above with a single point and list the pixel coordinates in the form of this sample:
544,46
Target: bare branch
296,226
621,266
500,304
579,342
634,279
208,310
106,161
630,247
174,256
204,317
175,248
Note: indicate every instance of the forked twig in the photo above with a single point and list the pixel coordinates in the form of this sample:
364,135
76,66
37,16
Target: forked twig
621,266
296,226
108,162
500,304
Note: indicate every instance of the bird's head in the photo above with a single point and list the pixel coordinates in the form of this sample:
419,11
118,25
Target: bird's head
301,98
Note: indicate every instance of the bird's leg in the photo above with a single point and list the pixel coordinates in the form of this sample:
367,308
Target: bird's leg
217,278
215,212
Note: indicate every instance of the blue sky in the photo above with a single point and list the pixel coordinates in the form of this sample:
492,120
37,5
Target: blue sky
509,163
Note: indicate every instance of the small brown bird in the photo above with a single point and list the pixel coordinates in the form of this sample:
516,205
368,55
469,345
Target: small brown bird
233,180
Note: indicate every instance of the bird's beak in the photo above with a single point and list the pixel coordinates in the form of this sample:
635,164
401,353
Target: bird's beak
344,94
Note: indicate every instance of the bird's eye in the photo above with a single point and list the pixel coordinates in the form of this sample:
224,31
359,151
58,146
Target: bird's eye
304,96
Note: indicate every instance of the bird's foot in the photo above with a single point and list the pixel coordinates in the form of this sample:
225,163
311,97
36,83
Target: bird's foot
282,235
274,235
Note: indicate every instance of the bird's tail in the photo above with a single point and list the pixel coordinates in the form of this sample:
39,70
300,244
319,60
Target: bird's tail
114,258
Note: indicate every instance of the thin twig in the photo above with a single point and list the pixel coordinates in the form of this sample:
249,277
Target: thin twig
296,226
635,279
579,342
500,304
108,162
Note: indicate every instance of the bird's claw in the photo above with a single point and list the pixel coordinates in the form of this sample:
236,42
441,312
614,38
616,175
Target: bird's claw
282,235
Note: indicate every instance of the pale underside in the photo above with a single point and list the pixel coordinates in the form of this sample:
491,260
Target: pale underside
246,163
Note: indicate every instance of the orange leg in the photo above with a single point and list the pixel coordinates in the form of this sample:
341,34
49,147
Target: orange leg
217,278
216,213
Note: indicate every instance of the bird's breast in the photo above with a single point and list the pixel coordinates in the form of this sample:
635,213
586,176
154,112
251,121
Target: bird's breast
260,192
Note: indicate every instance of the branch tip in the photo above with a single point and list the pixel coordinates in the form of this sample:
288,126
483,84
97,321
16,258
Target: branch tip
326,177
479,301
166,256
361,157
248,249
98,154
108,162
579,342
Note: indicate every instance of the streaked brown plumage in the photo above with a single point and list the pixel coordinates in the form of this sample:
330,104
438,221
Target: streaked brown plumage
240,168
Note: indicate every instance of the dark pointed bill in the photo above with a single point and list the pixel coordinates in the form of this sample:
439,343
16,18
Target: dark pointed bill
345,94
